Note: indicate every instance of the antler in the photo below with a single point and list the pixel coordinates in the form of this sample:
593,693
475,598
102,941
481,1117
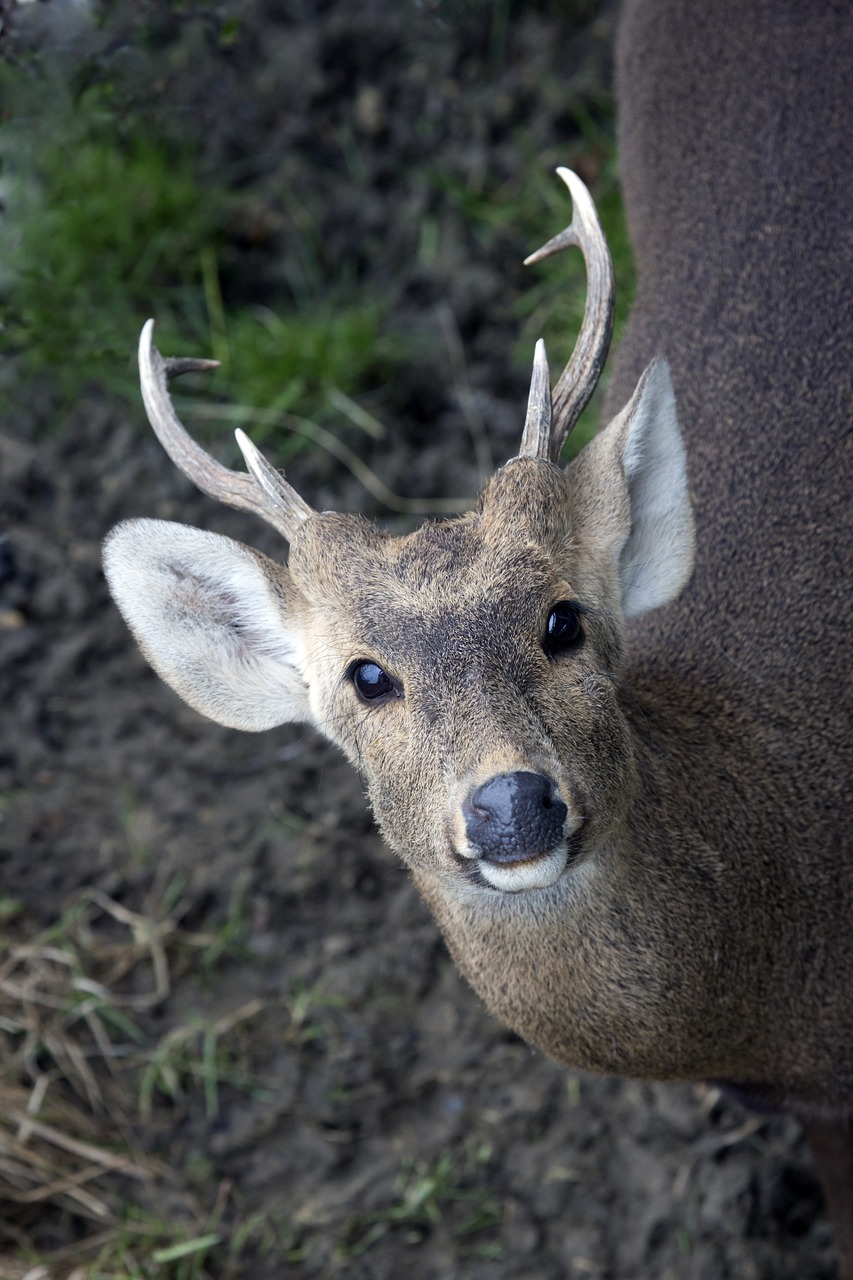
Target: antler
536,437
265,493
541,438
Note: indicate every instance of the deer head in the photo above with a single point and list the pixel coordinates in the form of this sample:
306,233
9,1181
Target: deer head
466,669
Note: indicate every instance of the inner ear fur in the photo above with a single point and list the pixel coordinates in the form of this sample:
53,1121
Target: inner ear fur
219,622
631,510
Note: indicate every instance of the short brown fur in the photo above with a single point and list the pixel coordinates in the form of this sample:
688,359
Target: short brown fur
736,121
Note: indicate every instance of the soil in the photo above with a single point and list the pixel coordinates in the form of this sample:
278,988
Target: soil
383,1123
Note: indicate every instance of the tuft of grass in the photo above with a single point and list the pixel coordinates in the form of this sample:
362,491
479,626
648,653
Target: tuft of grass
427,1194
100,225
228,937
304,1005
283,370
195,1052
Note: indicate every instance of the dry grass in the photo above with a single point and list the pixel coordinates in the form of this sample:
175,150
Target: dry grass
72,1053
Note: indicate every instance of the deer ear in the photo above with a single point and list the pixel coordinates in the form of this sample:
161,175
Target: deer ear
632,500
219,622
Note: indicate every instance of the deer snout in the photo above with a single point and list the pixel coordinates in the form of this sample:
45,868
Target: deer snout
517,830
515,816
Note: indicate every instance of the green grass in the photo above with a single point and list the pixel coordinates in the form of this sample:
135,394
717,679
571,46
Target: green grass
130,229
305,1006
429,1193
195,1054
100,225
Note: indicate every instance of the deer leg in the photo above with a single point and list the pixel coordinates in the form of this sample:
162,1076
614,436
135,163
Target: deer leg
831,1143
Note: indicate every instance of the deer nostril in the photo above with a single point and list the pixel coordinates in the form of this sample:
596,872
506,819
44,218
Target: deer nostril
515,816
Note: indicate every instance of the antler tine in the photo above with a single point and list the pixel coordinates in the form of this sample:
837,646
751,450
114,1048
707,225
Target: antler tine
281,498
580,376
265,493
536,438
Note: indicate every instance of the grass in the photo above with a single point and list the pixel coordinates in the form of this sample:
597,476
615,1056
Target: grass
94,241
130,228
427,1194
80,1070
81,1074
195,1053
133,227
304,1005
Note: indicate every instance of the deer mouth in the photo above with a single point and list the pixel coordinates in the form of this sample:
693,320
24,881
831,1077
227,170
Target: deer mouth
516,831
539,871
520,876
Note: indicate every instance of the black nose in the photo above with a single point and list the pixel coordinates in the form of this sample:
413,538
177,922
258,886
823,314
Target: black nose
515,816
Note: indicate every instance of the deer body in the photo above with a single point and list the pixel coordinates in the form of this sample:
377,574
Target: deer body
621,789
735,137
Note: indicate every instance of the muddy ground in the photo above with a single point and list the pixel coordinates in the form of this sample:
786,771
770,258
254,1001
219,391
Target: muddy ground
370,1116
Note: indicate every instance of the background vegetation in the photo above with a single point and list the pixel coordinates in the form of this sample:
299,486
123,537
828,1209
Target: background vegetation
112,213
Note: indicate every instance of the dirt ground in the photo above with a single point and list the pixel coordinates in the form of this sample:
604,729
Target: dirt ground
370,1117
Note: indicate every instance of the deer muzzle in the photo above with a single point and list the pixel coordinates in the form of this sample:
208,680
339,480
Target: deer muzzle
517,829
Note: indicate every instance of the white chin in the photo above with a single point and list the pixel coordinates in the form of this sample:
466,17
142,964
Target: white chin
533,873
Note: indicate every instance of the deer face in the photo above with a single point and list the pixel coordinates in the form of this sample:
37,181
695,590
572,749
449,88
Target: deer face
468,669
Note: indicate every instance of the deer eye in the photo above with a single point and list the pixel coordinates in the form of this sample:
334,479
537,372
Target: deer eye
372,684
563,630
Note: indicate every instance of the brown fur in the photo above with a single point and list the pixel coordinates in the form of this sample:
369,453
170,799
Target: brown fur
736,122
736,127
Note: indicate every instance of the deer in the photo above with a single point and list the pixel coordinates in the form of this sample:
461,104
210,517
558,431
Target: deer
603,717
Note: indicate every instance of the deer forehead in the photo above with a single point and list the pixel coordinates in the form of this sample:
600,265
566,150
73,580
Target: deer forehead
519,533
451,589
